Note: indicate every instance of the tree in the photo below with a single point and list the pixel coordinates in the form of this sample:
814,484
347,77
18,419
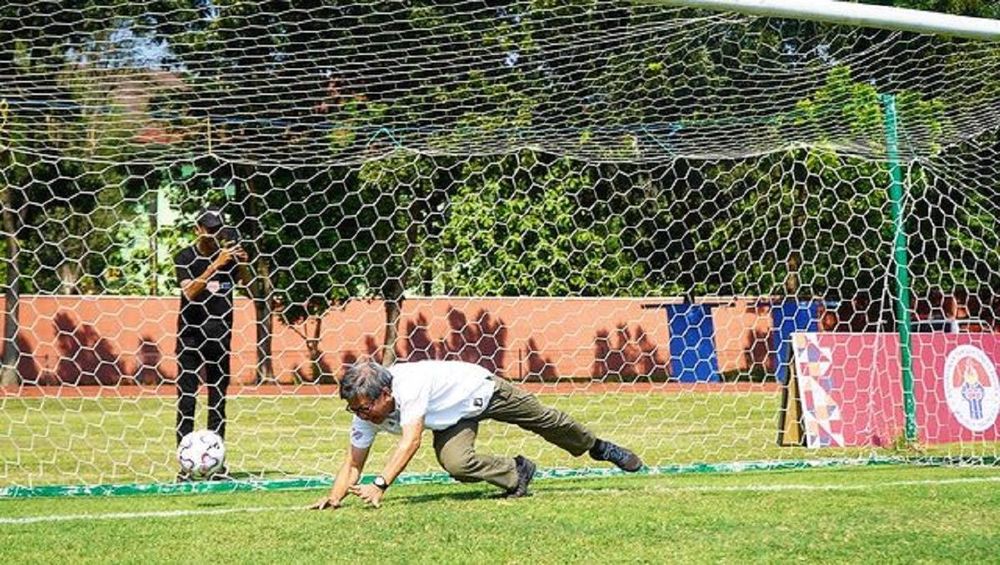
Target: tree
397,220
296,120
62,115
525,225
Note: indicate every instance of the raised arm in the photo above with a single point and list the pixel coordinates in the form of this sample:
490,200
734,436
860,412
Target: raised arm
192,286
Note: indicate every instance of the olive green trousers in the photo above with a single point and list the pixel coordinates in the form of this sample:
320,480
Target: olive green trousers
456,446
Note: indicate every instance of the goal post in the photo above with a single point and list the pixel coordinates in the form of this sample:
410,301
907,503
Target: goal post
901,258
854,14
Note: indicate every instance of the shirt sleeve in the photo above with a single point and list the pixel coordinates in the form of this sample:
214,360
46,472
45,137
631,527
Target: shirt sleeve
362,433
182,266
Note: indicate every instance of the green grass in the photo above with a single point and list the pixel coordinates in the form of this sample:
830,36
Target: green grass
880,514
90,441
868,514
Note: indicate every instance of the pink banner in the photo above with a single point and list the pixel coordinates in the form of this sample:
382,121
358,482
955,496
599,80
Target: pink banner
850,387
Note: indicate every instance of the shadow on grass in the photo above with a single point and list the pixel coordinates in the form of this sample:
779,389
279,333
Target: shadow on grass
214,504
547,489
591,486
554,488
262,474
449,494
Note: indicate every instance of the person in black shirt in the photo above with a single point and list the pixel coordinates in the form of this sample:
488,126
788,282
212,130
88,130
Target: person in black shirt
207,273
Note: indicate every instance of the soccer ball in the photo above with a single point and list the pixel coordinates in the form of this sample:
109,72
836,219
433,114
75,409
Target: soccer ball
201,453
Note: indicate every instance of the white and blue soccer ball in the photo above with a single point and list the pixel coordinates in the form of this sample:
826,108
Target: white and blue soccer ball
201,453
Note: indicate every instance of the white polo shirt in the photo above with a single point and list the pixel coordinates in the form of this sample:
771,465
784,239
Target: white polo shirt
440,392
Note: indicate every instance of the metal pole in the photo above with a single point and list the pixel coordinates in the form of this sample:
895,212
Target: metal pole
858,15
901,259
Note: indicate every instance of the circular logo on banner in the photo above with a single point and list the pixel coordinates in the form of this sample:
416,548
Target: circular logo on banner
971,387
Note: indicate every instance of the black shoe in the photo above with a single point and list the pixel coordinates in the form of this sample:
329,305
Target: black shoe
221,475
525,473
621,457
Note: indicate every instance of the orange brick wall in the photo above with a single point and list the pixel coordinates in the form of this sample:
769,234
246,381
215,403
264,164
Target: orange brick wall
83,339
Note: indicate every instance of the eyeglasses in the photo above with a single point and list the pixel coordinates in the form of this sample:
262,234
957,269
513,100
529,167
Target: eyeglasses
367,408
362,409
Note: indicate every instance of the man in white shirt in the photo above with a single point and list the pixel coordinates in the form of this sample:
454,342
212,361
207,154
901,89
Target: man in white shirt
450,398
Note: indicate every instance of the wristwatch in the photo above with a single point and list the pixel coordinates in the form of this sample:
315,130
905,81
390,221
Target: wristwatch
380,483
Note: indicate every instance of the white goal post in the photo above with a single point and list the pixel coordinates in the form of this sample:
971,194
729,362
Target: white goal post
853,14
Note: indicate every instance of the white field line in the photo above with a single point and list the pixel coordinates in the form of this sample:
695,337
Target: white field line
144,515
831,487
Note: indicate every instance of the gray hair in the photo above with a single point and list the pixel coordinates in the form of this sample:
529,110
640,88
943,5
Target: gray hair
364,378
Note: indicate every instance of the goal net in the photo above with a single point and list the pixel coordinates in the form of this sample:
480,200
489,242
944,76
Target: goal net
714,238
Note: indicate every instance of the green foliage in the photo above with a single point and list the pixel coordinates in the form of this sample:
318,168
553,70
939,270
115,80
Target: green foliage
68,215
384,222
518,226
397,201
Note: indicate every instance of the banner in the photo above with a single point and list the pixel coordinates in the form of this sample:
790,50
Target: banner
850,388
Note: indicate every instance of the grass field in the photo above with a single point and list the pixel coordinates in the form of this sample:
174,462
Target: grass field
74,441
882,514
866,513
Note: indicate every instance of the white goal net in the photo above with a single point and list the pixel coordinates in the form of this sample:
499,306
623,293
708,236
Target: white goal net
656,218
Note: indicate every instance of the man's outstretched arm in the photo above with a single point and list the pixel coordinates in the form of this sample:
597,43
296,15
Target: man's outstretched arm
348,476
400,458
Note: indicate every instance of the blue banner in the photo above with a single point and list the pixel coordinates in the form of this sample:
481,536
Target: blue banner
692,343
788,317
